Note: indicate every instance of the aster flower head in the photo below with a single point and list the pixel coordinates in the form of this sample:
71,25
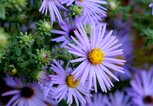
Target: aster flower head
92,11
118,99
53,6
25,95
68,88
67,30
97,56
141,89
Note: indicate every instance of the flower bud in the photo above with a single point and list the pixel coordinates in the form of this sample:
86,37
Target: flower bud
44,56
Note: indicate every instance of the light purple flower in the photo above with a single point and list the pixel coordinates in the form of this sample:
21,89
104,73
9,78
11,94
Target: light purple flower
142,88
97,56
67,88
66,32
151,6
24,95
53,6
92,10
118,99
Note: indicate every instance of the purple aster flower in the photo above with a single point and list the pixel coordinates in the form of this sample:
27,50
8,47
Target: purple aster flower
92,10
151,6
52,6
68,88
142,88
118,99
24,95
97,100
97,56
67,31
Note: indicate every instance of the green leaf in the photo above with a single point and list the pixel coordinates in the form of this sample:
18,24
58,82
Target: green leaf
2,12
17,51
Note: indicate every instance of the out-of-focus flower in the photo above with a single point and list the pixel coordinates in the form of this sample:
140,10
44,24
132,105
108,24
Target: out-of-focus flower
151,6
53,6
97,100
24,95
97,54
142,88
118,99
67,87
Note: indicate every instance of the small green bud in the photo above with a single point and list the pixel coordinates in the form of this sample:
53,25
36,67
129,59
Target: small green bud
113,4
44,56
44,27
26,39
12,70
75,9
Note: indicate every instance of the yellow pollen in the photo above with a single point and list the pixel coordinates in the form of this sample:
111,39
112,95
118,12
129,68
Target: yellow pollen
71,83
96,56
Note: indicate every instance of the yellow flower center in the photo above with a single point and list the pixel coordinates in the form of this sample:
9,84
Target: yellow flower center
72,83
96,56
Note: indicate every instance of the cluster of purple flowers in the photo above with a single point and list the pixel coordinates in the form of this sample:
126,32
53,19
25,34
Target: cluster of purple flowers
45,94
101,56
